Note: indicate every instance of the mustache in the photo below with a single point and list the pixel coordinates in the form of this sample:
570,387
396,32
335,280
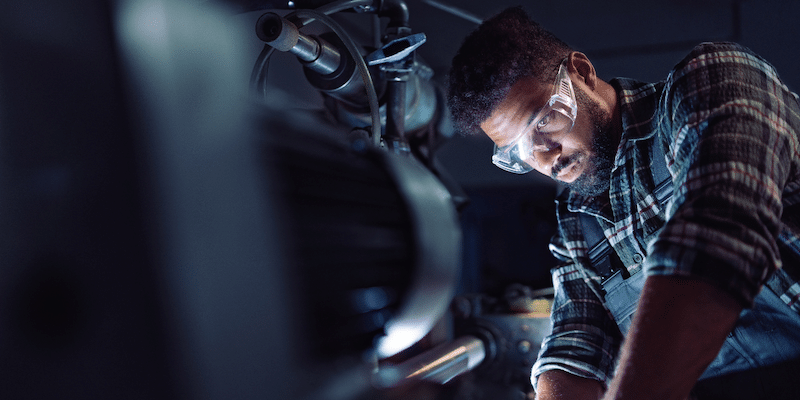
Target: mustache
563,162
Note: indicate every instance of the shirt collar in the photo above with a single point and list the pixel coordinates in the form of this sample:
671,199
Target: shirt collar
637,104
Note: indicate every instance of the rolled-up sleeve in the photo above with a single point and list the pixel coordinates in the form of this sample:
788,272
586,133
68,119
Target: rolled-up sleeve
732,133
584,339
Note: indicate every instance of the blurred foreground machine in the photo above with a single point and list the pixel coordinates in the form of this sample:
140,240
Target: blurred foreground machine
165,235
372,242
496,339
375,246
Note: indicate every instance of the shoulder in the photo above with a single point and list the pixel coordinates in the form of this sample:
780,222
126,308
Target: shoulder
719,58
714,73
716,50
718,47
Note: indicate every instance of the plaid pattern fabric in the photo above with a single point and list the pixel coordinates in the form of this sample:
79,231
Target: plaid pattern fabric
729,129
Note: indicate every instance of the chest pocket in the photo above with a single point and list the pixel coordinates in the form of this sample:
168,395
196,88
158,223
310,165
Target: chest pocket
622,297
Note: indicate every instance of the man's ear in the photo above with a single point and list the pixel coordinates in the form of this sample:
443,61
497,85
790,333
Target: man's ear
578,63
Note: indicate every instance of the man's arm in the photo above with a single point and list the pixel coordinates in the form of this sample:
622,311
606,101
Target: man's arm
556,384
584,338
732,128
678,330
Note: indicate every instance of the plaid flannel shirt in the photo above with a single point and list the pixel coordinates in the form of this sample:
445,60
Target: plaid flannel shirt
729,129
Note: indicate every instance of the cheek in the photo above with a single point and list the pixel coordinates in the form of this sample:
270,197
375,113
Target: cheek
582,134
578,140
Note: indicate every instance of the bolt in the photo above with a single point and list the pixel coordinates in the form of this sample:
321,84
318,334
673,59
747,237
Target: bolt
524,346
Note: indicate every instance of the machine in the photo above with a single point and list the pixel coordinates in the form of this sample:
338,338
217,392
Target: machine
172,229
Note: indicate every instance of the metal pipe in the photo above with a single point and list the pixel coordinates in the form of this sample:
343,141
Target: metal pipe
315,53
306,49
326,61
438,365
396,11
396,115
458,12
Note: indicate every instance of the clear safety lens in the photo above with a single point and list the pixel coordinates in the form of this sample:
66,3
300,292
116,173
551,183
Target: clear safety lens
507,158
558,116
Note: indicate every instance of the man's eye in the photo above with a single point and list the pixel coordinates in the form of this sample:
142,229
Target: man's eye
545,120
553,122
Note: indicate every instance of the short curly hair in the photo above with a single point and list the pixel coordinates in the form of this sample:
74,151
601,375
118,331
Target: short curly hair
504,49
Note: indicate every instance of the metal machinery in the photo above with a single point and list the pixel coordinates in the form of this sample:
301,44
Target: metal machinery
170,232
499,339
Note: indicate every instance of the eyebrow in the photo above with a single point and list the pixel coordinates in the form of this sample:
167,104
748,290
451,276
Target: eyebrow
534,114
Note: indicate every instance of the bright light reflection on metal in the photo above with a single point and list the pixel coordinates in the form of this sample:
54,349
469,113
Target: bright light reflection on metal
401,337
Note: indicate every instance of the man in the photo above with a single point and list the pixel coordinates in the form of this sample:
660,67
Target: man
693,182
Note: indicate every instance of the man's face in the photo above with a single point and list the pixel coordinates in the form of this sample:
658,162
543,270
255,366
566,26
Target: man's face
581,158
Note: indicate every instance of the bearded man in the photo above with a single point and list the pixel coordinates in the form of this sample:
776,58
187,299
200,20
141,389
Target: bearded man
679,229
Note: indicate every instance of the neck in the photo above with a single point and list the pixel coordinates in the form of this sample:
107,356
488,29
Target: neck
611,102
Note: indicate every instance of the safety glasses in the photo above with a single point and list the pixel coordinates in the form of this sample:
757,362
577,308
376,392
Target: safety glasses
556,117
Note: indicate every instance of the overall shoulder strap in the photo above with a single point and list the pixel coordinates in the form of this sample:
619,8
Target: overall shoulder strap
601,255
658,167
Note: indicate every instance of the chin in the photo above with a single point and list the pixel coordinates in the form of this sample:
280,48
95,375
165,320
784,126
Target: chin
592,182
572,173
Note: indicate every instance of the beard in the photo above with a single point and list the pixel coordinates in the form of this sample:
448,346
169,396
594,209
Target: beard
596,177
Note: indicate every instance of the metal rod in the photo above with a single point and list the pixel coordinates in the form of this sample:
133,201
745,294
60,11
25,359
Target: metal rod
455,11
396,115
306,48
438,365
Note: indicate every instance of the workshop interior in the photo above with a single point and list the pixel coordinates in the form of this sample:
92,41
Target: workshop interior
266,199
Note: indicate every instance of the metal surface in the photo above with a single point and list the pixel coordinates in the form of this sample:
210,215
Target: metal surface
421,106
307,50
437,238
326,61
456,11
394,134
438,365
277,31
396,50
375,238
512,330
315,53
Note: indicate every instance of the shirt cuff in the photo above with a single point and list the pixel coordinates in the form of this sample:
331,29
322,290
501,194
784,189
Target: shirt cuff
574,355
674,260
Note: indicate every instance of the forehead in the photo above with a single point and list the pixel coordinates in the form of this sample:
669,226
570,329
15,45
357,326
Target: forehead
526,97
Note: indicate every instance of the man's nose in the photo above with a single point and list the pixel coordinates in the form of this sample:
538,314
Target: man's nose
546,159
543,143
545,151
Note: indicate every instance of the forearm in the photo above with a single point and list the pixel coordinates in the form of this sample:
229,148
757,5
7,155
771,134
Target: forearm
679,327
556,384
